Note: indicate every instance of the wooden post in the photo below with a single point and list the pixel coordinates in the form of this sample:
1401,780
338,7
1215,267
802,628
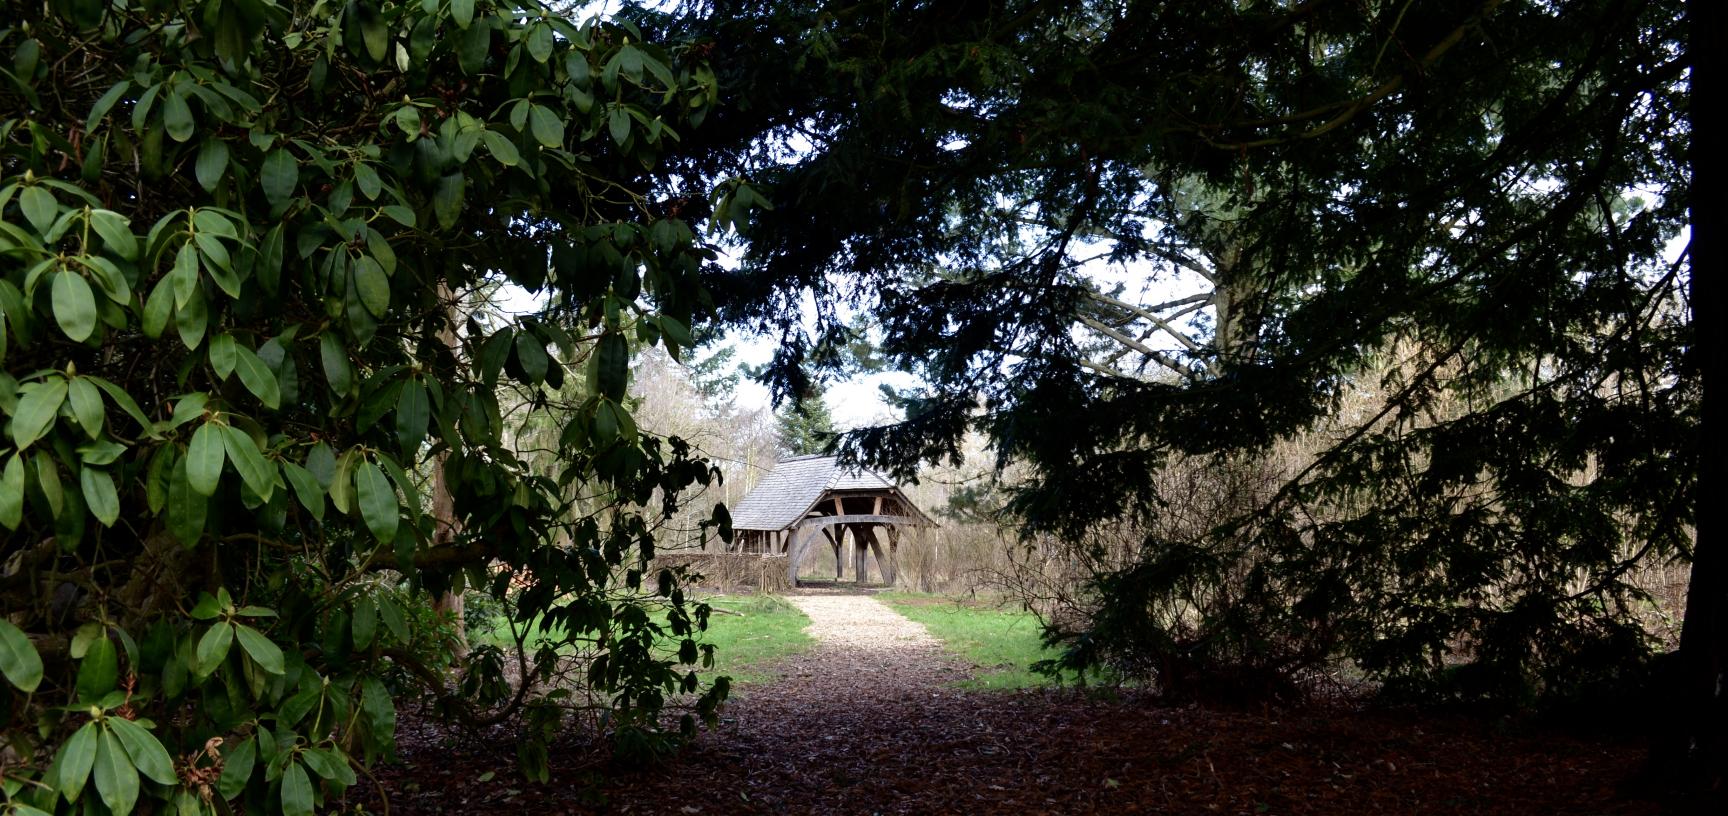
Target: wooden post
883,564
894,550
835,539
795,553
860,567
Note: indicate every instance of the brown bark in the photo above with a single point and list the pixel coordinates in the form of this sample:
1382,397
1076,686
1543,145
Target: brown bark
445,524
1698,728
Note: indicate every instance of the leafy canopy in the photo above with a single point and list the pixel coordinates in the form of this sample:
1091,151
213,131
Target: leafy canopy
249,426
1439,355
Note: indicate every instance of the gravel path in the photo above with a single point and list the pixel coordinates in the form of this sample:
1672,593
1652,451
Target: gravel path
847,722
869,643
863,624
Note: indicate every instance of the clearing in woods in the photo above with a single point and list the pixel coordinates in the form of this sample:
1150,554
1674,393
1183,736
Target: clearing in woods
872,719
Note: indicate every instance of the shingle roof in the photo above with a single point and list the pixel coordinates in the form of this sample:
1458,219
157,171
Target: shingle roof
794,486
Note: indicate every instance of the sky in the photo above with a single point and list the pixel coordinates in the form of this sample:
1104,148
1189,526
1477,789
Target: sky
854,402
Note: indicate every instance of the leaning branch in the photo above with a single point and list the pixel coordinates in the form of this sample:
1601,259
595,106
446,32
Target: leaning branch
1149,316
1152,354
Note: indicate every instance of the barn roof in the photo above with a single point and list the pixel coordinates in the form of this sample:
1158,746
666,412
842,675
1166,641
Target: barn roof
788,492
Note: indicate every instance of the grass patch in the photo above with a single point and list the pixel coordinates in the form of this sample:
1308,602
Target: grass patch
763,629
1002,642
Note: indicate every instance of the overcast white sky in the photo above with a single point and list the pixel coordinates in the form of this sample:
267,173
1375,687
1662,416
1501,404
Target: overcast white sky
854,402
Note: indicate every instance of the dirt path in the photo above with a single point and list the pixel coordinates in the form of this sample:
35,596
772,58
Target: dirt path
837,727
869,721
859,637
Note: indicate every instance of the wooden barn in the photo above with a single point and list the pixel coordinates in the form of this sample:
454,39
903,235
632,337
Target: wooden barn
810,499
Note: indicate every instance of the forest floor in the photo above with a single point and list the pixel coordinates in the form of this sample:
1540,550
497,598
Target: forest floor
873,719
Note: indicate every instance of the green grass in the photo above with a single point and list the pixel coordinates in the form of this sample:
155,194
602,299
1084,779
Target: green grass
1002,642
764,629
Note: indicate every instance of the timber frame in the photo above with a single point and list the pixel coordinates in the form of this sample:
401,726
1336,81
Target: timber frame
807,499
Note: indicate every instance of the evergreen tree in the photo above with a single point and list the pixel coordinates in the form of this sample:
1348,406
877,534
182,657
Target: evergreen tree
715,370
805,426
1458,213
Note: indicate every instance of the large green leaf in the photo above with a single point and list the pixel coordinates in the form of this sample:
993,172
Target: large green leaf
115,233
338,372
48,481
306,488
212,163
19,661
281,174
39,207
412,413
531,356
618,124
109,278
86,404
177,115
296,791
105,103
330,764
74,305
373,286
221,354
378,711
100,497
237,767
116,778
213,647
342,480
547,128
193,319
447,198
76,759
184,273
145,751
539,42
254,469
377,500
12,492
501,148
394,619
123,401
364,622
612,366
268,269
462,11
257,377
187,508
374,31
99,671
36,411
158,309
204,457
472,46
259,647
101,453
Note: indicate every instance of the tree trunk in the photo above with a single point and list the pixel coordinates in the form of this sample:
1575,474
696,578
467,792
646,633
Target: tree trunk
445,525
1700,725
1235,305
